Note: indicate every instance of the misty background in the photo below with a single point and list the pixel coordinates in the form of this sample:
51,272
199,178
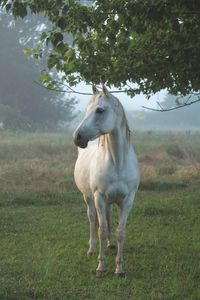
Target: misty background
24,105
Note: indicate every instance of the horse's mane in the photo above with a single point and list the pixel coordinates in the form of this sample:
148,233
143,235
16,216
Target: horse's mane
128,131
118,107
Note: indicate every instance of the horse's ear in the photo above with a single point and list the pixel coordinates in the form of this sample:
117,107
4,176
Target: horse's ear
94,89
105,91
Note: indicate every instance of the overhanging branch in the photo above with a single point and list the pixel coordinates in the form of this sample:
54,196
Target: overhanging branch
172,108
69,90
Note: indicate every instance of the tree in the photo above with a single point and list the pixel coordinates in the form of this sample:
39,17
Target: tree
154,44
24,105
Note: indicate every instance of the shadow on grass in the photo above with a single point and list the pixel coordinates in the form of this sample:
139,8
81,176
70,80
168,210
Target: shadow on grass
160,211
35,199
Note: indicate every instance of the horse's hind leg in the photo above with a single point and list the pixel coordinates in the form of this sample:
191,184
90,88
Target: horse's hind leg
124,212
92,216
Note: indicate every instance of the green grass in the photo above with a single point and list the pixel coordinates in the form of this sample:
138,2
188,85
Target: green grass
44,230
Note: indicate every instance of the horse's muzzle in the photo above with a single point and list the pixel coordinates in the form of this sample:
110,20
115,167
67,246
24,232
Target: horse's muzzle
79,140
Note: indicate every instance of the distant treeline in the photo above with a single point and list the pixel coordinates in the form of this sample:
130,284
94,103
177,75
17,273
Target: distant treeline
186,118
23,104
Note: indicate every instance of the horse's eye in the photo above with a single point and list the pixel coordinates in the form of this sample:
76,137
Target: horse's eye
99,110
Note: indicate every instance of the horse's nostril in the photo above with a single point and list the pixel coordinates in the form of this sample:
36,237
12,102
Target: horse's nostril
78,137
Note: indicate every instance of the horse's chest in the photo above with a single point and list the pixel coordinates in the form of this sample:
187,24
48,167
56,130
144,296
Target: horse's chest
116,191
110,182
98,173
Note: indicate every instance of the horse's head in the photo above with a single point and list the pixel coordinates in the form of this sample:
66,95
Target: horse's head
101,117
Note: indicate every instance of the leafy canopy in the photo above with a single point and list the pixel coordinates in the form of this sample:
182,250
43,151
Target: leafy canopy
155,44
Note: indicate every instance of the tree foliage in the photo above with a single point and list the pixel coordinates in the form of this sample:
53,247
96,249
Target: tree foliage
155,44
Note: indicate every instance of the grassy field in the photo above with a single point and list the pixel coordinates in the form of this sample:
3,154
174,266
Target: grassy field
44,228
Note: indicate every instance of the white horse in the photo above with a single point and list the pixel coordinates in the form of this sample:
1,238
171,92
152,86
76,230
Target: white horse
106,171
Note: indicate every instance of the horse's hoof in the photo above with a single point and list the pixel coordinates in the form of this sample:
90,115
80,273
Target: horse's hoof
120,275
90,253
99,273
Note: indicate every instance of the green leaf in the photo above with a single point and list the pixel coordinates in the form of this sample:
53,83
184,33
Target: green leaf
27,51
56,38
62,23
52,61
19,9
8,6
45,78
43,36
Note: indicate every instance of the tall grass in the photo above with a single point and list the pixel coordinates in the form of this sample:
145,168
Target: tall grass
46,160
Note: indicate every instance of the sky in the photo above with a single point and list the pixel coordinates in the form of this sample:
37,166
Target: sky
129,103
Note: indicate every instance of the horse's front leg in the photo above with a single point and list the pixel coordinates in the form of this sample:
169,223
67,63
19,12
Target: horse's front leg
92,217
124,212
103,230
110,243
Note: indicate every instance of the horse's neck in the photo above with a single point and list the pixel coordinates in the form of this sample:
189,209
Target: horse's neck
116,145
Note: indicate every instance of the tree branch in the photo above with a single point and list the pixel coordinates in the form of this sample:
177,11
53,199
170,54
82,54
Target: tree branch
69,90
172,108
